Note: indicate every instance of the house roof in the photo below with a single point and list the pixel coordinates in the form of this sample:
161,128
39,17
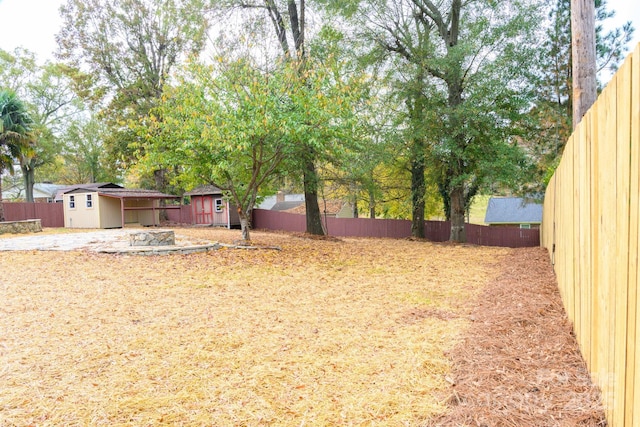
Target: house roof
41,190
204,190
330,207
513,210
286,205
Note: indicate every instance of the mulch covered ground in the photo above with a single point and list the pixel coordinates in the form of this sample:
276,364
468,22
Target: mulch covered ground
519,363
352,332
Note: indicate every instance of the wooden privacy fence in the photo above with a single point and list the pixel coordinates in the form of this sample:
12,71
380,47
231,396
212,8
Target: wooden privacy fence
436,231
50,214
180,216
591,229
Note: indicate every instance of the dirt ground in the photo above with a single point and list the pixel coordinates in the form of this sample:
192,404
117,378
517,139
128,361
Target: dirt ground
367,332
519,363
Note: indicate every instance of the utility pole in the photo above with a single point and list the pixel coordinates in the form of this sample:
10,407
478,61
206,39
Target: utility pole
583,52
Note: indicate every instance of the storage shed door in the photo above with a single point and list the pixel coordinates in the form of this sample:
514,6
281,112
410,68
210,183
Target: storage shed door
204,209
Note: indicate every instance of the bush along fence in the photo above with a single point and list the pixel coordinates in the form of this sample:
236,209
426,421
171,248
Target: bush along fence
591,227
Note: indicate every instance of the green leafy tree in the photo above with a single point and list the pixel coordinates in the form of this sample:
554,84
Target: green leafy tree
50,100
15,137
54,106
236,127
125,50
288,21
83,155
551,123
465,78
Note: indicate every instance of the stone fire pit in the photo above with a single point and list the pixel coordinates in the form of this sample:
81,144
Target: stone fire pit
152,238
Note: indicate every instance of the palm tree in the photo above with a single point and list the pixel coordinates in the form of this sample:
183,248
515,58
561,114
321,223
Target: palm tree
15,133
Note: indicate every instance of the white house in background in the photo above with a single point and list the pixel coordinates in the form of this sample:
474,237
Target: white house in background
281,201
43,192
108,205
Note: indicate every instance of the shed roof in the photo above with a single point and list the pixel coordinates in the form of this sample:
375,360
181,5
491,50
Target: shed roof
124,193
204,190
87,186
513,210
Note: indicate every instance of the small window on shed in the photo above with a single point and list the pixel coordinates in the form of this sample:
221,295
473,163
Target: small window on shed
219,204
89,201
72,202
525,226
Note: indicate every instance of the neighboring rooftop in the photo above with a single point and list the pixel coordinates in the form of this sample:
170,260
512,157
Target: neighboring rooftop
285,206
513,210
41,190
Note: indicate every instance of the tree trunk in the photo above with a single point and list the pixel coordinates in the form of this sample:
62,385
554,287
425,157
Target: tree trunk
417,189
244,227
372,204
314,219
583,50
443,189
458,233
1,205
28,178
160,179
354,207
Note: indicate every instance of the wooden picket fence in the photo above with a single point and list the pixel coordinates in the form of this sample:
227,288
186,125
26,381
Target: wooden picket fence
591,227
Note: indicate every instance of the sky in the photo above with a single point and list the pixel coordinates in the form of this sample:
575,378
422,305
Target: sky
33,23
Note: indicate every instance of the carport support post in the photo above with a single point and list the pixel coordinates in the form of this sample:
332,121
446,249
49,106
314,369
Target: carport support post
122,211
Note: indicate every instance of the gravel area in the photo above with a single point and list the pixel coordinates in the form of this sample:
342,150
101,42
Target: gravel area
111,241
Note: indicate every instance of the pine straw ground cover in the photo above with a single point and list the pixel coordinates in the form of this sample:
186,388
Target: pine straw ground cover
323,332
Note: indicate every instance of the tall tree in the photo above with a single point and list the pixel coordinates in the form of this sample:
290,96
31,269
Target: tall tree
234,126
288,20
470,85
15,138
553,111
127,48
47,93
83,153
53,104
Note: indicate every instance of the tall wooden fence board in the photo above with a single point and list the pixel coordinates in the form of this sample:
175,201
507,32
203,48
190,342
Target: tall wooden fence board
632,396
591,229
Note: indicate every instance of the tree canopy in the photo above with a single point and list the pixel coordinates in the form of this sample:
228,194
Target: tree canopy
236,127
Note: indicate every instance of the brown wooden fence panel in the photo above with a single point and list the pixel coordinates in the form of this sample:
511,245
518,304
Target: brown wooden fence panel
180,216
365,227
591,227
436,231
50,214
273,220
510,237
